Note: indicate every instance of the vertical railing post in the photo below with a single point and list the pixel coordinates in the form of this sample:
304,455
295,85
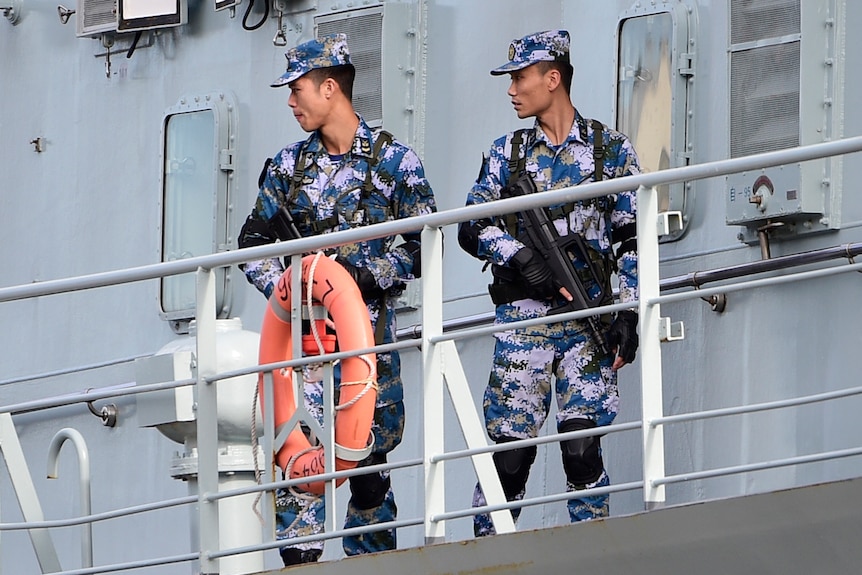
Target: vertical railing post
650,347
207,420
432,381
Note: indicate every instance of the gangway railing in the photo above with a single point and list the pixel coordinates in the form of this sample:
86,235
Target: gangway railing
437,344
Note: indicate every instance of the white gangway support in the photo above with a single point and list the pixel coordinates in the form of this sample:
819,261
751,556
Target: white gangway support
16,464
650,345
442,370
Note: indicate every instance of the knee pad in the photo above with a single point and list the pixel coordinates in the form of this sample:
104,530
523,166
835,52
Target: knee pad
582,457
513,467
293,556
368,491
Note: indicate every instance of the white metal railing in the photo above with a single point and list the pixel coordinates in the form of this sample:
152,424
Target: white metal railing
441,367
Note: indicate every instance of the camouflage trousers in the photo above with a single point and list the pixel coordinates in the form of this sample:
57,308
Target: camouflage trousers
530,366
300,514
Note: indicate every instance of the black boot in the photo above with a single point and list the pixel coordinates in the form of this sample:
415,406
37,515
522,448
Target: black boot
293,556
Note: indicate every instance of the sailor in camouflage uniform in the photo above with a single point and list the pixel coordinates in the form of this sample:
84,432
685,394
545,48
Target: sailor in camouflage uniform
564,358
345,175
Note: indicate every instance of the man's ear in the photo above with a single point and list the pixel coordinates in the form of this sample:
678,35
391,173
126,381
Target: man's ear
328,88
553,79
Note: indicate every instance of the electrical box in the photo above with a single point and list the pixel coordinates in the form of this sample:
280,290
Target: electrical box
783,77
168,405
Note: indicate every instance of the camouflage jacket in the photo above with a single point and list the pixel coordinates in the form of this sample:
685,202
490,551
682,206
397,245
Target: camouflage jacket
554,167
329,198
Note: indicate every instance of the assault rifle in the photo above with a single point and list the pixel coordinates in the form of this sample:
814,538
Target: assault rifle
283,226
559,252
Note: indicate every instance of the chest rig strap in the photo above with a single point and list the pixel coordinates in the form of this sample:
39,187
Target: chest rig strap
304,158
384,138
518,165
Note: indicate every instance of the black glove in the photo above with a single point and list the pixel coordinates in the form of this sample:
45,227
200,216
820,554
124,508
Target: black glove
414,248
364,280
536,273
623,335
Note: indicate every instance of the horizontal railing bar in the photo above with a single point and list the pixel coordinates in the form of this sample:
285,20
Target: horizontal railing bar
309,359
93,395
753,284
488,330
826,455
441,517
603,430
802,400
345,473
539,500
437,219
317,537
128,389
114,514
68,370
415,331
131,565
700,278
694,279
389,466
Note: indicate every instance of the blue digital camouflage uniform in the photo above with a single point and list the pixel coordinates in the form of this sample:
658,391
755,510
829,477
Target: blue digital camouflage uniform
529,361
330,190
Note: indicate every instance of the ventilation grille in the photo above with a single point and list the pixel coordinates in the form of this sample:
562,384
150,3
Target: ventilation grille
365,39
752,20
764,80
96,16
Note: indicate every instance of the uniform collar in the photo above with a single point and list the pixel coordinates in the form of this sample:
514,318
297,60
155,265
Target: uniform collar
577,133
363,141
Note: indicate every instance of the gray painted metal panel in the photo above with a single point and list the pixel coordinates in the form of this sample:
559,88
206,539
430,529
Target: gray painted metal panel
93,185
805,530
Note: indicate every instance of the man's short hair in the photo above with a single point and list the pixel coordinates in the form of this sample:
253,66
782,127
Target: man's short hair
343,75
566,71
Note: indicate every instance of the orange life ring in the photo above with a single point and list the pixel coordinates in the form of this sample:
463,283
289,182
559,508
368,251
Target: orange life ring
334,288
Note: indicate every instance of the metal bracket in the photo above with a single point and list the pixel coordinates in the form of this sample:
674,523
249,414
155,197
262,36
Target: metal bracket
108,413
226,160
718,302
670,331
64,13
12,10
669,222
686,64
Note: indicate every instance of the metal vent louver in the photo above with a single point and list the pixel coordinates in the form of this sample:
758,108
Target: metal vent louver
96,16
752,20
764,76
365,37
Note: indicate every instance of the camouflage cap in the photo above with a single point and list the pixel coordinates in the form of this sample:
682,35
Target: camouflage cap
547,46
319,53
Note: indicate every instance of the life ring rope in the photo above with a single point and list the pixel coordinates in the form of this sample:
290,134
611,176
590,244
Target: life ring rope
314,332
369,382
326,284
